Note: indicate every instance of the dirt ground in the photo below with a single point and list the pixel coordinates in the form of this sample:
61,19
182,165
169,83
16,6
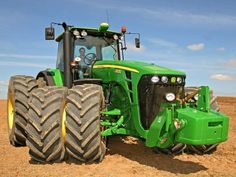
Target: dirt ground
126,157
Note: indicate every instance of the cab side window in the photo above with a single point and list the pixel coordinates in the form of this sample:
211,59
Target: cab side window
60,57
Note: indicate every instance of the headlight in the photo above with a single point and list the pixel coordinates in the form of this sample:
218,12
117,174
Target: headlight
173,80
155,79
76,32
179,80
164,79
115,37
170,97
77,59
84,33
195,97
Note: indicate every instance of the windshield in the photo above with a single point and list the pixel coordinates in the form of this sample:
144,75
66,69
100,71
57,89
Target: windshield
89,49
101,48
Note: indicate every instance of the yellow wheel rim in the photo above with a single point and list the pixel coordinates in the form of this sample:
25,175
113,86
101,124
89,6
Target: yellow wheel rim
10,111
63,126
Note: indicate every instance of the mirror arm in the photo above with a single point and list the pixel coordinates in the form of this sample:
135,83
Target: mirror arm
138,37
49,31
122,50
124,47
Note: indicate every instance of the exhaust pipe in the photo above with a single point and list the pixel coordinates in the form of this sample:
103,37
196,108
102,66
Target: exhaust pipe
67,47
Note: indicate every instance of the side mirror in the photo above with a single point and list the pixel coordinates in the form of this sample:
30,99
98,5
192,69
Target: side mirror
137,42
49,33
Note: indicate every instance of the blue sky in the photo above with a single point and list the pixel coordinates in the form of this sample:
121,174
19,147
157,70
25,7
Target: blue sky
195,36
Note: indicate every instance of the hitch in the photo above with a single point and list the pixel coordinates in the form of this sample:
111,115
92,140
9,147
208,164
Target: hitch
203,103
188,97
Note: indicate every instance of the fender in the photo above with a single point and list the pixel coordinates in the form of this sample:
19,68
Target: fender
47,77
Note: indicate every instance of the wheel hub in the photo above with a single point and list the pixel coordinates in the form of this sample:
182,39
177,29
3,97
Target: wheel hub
63,125
10,111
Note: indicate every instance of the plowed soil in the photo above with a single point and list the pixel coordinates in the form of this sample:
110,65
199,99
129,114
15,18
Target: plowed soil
126,157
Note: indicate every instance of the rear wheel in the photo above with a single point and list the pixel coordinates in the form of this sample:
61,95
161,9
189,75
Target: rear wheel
17,106
45,124
41,82
83,138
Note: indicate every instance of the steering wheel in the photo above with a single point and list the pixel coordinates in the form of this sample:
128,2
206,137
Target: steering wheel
89,58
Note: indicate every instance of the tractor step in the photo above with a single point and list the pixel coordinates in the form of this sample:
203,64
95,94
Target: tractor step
113,112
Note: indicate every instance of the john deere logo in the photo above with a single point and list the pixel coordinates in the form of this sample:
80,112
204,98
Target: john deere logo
173,79
117,71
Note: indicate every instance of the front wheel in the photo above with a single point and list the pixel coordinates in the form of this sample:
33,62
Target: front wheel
198,149
174,149
203,149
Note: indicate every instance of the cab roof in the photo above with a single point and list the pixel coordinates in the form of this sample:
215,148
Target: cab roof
91,32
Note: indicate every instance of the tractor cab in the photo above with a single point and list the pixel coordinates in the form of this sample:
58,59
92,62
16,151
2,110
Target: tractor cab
86,46
79,48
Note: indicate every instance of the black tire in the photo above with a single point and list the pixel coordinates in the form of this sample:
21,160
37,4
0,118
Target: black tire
83,139
203,149
173,150
18,94
45,123
45,78
41,82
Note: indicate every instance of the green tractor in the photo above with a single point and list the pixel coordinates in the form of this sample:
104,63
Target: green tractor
70,111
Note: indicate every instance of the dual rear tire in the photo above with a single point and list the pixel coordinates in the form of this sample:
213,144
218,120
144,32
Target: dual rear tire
44,127
19,89
65,123
83,139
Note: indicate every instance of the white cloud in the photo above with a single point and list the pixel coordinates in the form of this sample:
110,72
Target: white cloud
3,83
196,47
3,88
163,42
231,63
221,77
131,47
167,14
26,56
221,49
24,64
188,17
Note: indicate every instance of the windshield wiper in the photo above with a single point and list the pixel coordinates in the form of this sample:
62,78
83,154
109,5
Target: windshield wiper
109,44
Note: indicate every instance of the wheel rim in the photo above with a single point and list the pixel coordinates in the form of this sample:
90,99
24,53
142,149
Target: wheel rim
103,138
10,111
63,125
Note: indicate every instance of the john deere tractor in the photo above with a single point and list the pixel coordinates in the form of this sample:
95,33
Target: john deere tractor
93,93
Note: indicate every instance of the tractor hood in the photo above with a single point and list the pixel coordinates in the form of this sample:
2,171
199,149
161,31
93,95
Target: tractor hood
137,67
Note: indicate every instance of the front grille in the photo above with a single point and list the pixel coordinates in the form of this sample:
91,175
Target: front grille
152,95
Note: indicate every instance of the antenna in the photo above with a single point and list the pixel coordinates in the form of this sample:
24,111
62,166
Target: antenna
107,14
